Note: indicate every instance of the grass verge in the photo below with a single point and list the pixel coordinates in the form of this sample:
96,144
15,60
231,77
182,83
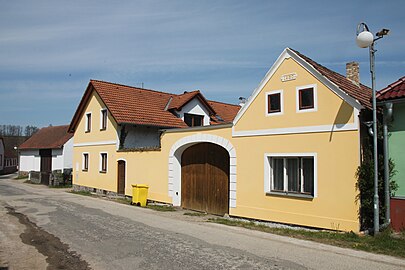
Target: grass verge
195,214
161,208
20,177
81,192
61,186
383,243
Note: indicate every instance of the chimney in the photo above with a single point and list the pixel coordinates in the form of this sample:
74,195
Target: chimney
352,72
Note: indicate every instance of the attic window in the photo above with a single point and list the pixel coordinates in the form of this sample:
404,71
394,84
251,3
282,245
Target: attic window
103,119
193,120
274,102
88,122
306,98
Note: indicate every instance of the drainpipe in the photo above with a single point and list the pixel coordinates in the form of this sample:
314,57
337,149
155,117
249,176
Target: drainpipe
387,117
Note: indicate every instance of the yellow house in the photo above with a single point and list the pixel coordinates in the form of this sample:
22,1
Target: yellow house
289,155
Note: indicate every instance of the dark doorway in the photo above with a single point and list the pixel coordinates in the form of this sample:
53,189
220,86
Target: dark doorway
46,165
121,177
205,178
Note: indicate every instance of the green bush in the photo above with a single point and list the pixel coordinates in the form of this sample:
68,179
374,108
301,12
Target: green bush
365,184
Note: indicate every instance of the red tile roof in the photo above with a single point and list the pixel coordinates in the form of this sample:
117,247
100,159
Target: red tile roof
132,105
393,91
360,92
47,138
227,112
136,106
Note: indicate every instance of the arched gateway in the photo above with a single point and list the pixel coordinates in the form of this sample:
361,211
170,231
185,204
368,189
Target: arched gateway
202,173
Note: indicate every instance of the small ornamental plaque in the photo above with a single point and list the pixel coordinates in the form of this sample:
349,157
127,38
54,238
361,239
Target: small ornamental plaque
288,77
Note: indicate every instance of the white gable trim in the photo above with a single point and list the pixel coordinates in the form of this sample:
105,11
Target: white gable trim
286,54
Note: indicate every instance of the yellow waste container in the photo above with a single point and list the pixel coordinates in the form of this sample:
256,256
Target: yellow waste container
139,195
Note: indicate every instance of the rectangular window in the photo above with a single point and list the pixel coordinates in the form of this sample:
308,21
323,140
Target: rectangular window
1,160
193,120
292,174
103,162
103,119
306,97
85,166
88,122
274,103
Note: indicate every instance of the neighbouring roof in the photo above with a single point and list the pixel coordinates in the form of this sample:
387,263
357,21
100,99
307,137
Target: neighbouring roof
359,92
47,138
226,112
10,142
132,105
393,91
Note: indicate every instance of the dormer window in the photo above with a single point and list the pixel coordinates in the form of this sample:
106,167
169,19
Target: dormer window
193,120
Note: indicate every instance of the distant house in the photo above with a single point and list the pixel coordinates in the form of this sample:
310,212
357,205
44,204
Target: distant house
1,155
9,157
392,98
48,150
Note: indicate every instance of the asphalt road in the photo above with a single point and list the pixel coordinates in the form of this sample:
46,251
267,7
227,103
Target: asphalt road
108,235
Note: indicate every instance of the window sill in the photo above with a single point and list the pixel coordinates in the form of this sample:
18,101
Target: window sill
102,171
102,129
287,194
85,170
87,131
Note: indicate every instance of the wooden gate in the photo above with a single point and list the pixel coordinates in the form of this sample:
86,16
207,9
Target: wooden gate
46,165
121,177
205,178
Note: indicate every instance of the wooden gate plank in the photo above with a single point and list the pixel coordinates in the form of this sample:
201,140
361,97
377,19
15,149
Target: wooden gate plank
205,178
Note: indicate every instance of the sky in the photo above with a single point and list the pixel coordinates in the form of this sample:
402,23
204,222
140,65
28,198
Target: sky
49,50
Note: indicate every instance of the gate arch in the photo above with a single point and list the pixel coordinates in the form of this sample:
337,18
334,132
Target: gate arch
176,152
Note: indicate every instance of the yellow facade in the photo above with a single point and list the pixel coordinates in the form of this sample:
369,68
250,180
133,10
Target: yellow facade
94,143
254,134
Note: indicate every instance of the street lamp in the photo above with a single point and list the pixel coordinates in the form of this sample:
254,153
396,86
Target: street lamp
366,39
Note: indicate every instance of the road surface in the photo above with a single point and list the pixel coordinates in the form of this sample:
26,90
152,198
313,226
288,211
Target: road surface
49,228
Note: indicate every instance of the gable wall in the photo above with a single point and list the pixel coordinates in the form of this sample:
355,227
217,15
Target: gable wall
331,109
94,143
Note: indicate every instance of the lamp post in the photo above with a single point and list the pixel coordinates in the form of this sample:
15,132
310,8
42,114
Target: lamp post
366,39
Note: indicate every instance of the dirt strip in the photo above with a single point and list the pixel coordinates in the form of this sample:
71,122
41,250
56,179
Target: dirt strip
57,253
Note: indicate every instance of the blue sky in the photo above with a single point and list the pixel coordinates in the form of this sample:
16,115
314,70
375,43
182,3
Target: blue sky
49,50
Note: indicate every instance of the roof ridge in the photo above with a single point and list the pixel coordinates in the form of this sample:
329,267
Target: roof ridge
236,105
392,85
146,89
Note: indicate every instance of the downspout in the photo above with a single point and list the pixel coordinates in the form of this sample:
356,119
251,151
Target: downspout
387,117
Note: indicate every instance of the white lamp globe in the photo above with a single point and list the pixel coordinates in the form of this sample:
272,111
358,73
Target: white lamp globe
364,39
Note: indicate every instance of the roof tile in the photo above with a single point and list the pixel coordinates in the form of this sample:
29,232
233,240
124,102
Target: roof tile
393,91
47,138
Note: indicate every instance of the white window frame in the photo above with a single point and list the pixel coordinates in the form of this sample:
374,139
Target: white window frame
268,173
297,94
281,103
83,161
87,127
101,162
101,118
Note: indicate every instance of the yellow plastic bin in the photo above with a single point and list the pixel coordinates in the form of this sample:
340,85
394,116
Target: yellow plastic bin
139,195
